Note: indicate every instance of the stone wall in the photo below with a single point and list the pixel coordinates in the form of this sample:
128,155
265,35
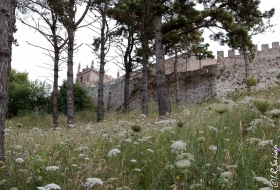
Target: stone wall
218,78
231,69
113,93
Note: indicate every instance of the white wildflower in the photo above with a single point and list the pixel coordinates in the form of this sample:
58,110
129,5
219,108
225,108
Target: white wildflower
49,187
213,148
88,127
263,180
266,142
212,129
70,125
142,116
127,140
81,155
52,186
150,150
168,166
185,156
133,160
178,147
274,113
19,160
2,181
52,168
137,169
165,129
41,188
231,167
18,147
226,174
196,186
183,164
186,112
254,140
90,182
248,99
74,165
201,139
113,152
171,121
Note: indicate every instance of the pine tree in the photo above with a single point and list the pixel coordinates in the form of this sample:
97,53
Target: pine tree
7,25
67,12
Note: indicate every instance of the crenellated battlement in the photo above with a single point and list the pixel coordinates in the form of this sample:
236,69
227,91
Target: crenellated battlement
266,52
198,84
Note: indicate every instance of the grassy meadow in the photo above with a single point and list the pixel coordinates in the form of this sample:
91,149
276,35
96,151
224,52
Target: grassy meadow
229,143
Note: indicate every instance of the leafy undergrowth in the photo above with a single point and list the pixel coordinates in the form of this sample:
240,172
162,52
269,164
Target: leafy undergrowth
222,145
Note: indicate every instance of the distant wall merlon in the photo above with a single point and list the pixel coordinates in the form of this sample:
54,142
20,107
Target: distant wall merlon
265,47
231,53
220,56
275,45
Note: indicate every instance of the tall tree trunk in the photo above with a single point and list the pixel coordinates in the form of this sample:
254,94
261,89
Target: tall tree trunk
100,111
55,88
126,92
176,77
128,69
144,105
162,91
245,54
70,97
7,22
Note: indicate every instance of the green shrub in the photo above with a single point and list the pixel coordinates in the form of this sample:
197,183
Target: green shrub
27,96
82,99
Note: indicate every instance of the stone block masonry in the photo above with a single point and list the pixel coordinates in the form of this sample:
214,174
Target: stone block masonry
214,79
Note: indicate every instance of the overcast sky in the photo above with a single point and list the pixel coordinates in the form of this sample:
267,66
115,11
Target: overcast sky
30,59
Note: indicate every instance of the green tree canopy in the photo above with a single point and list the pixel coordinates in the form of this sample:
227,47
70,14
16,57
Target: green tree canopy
27,96
82,99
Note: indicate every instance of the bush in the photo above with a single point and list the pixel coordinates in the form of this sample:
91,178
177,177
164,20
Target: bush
82,99
27,96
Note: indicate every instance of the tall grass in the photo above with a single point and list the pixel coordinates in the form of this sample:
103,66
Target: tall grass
230,150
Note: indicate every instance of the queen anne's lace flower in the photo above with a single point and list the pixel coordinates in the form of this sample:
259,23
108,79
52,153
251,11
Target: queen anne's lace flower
266,142
90,182
212,129
165,129
183,164
178,147
254,140
52,168
19,160
226,174
113,152
49,187
185,156
213,148
196,186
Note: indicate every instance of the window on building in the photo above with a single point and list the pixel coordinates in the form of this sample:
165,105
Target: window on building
81,79
87,77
